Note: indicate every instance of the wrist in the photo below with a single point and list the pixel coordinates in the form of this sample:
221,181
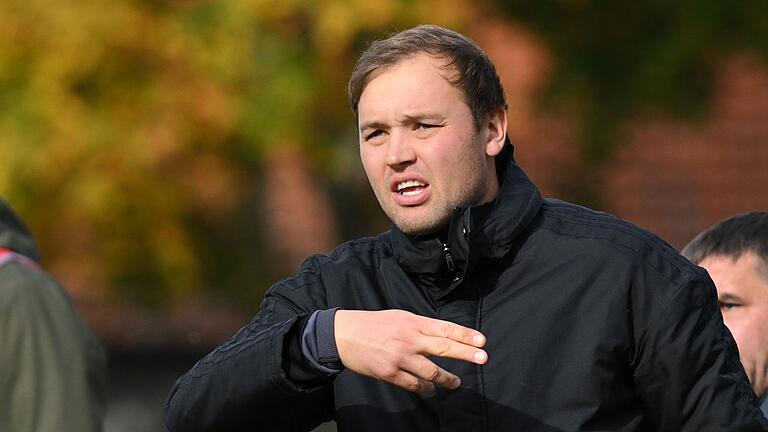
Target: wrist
318,343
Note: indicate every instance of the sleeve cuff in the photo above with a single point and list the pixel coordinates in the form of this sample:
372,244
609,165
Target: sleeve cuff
318,343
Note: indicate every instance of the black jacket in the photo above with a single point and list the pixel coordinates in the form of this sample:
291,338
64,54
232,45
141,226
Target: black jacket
592,324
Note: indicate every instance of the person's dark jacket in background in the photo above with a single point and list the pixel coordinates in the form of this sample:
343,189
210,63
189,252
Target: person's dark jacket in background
591,322
52,368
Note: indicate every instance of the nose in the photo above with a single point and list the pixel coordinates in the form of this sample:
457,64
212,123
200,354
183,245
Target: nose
400,151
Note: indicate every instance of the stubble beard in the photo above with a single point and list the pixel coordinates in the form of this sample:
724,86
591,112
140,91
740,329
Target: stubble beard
438,217
470,192
435,220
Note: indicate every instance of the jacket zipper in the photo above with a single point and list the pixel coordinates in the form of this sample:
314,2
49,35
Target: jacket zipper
448,258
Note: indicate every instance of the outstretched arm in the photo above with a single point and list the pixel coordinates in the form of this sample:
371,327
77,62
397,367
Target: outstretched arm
393,346
243,383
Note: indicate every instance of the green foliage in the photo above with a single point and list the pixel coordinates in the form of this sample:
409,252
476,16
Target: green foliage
133,133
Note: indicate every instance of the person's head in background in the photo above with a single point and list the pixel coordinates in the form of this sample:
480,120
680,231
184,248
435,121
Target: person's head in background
735,253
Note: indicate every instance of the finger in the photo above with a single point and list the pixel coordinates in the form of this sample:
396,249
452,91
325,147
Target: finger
443,347
447,329
412,383
423,369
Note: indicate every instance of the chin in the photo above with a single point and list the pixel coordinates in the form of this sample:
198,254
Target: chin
416,231
420,227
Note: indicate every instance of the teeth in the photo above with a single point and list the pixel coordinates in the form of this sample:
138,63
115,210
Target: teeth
409,183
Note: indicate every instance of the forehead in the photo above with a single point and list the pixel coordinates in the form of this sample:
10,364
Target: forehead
418,82
421,60
744,276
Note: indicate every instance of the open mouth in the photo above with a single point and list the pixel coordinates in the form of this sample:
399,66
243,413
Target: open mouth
410,187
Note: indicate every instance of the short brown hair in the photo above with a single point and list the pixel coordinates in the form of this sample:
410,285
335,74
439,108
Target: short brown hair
732,237
475,74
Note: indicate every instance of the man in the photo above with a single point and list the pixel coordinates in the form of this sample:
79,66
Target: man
735,253
52,368
485,307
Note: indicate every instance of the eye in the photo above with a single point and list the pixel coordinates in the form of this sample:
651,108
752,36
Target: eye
425,126
375,134
726,306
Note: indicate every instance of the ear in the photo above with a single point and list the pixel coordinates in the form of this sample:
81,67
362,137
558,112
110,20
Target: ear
496,132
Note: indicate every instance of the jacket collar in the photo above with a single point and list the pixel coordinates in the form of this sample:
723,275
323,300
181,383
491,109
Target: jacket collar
484,231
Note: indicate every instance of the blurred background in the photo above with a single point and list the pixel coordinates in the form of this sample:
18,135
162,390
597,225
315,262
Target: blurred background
174,158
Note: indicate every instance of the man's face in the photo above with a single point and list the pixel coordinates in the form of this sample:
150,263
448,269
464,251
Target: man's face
420,148
742,290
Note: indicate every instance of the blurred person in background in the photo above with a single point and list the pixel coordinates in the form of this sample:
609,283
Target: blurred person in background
485,306
52,368
735,253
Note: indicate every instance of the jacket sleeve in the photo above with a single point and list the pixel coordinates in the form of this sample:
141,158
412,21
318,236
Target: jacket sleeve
250,380
52,366
688,372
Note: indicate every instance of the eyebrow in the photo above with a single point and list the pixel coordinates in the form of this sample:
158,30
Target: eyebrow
729,298
372,125
409,118
423,116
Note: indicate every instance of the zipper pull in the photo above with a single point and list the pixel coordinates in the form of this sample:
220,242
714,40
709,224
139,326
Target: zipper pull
448,258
